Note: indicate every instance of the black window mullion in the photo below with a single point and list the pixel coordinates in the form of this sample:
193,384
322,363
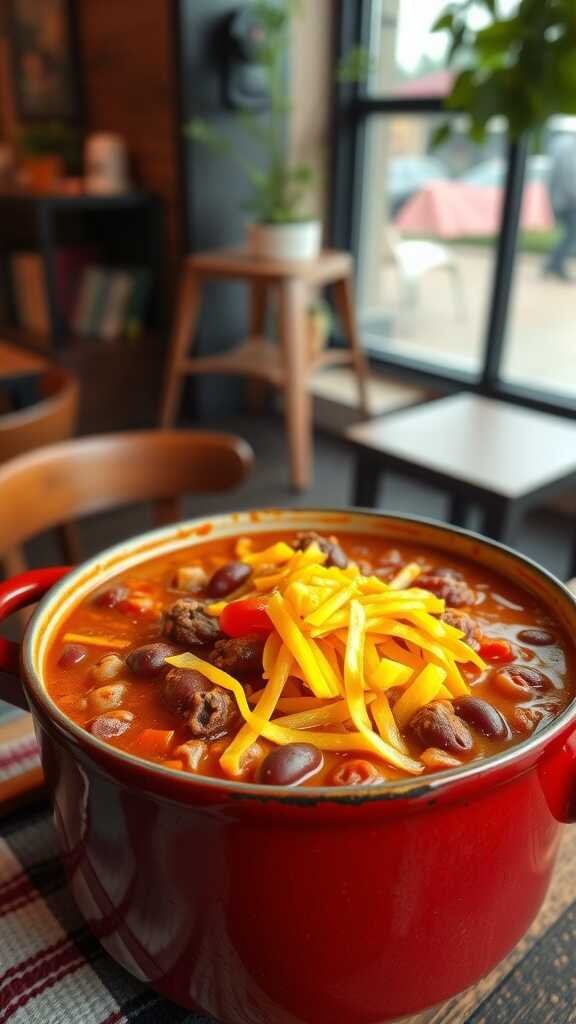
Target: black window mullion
348,130
504,265
367,105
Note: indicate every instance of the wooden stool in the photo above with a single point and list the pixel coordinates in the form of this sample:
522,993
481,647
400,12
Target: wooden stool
505,458
286,366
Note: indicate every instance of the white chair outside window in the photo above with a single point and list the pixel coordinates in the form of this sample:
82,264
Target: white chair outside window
414,258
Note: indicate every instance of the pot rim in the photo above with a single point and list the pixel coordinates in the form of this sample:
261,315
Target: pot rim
417,786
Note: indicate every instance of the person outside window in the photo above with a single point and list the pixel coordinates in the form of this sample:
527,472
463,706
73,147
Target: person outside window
563,196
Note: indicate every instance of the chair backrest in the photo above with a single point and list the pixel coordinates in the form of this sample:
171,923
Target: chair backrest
62,482
51,419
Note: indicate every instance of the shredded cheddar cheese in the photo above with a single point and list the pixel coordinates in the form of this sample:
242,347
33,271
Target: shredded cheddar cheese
343,641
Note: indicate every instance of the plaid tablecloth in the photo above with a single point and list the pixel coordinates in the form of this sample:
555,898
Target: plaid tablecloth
52,971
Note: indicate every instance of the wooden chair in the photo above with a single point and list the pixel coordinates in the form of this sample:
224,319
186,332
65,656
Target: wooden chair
63,482
51,419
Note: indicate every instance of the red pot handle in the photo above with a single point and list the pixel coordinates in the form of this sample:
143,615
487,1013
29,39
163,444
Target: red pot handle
558,780
17,593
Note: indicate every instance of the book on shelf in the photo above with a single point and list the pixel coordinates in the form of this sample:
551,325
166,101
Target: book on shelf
93,300
115,310
89,300
30,293
112,302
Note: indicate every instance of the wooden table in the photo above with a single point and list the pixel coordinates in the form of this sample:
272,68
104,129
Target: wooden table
505,458
286,366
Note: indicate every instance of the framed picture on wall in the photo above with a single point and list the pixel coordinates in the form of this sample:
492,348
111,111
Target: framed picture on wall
41,41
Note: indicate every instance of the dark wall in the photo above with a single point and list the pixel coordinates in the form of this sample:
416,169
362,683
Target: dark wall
215,188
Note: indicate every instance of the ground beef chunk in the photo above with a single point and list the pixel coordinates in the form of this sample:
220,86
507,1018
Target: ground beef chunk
240,656
454,591
464,622
330,545
187,623
212,713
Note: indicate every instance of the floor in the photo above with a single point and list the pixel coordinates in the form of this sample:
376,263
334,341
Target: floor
545,535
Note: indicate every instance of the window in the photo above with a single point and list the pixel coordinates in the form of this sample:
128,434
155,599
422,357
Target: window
427,243
540,350
449,242
407,59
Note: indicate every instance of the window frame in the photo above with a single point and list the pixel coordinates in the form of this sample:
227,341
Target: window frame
353,111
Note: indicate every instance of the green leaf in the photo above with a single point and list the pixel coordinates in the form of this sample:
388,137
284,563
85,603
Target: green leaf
355,66
441,134
445,21
458,37
200,131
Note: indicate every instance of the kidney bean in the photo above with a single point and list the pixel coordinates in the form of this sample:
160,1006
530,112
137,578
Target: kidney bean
335,555
149,660
71,654
533,676
228,578
291,764
108,667
355,771
106,697
179,688
519,681
110,597
436,725
511,686
481,716
536,637
115,723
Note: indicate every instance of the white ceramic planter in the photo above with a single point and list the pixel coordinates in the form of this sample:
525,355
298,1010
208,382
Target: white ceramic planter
298,241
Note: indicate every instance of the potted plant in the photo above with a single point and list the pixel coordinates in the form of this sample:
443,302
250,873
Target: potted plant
281,227
49,150
519,66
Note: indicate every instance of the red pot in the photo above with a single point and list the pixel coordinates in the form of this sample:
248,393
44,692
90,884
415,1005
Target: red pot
320,906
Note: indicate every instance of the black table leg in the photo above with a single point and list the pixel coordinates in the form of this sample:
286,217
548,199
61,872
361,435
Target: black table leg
458,510
572,568
366,482
499,519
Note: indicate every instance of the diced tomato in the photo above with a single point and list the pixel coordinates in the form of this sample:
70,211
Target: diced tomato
248,616
153,742
496,650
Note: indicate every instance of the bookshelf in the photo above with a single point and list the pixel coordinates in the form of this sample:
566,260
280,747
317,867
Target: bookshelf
50,243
